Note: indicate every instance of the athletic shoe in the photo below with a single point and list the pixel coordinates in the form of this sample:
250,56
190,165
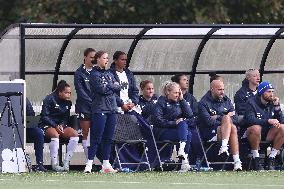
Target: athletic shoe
40,168
271,163
238,166
185,167
223,151
66,165
57,168
108,169
88,168
256,164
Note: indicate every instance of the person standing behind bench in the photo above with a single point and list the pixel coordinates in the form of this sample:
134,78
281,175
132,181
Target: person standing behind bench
54,120
129,92
265,120
37,135
104,108
84,100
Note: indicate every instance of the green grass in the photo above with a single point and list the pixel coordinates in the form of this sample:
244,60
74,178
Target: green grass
159,180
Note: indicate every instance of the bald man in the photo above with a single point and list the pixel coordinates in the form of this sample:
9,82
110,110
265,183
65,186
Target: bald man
218,119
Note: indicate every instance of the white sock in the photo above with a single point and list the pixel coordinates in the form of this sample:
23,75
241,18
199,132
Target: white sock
90,162
225,142
182,146
53,148
71,147
185,160
85,147
255,153
273,153
106,163
236,158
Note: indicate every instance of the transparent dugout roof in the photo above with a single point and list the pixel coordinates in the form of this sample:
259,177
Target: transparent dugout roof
157,51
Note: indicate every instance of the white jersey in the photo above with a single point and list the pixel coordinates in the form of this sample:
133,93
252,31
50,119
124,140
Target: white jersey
124,86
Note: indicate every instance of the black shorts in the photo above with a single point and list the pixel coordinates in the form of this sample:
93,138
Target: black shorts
85,116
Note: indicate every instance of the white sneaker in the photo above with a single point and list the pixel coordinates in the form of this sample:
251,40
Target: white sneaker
185,167
108,169
238,166
224,150
57,168
66,165
88,168
181,154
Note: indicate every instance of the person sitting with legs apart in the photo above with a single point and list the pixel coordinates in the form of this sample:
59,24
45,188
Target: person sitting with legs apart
54,121
218,119
265,120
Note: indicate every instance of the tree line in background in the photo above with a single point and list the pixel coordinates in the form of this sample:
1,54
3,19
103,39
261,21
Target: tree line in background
141,11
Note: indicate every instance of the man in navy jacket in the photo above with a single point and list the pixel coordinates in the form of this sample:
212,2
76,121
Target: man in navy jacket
218,119
265,120
248,90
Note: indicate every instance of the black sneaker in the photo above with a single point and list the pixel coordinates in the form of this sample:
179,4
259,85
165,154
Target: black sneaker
271,164
40,168
256,164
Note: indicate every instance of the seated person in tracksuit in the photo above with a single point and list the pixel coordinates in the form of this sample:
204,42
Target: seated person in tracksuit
170,120
104,112
248,90
38,136
217,120
147,99
84,100
54,121
183,81
129,92
265,121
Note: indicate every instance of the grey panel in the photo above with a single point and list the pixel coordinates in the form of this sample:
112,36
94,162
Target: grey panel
109,31
42,54
164,55
38,86
48,31
275,57
232,83
9,55
74,54
232,54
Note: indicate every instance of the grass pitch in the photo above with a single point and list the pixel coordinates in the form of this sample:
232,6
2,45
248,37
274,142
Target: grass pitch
145,180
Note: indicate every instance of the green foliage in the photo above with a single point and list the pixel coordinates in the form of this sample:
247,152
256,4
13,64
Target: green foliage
139,12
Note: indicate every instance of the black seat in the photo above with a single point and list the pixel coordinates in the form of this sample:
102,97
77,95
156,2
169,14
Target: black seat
128,132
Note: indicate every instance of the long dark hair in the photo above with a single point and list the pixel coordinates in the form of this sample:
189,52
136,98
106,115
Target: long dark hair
61,86
88,50
117,54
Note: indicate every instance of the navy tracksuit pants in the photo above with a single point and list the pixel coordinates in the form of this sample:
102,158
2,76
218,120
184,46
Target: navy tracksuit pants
101,133
37,136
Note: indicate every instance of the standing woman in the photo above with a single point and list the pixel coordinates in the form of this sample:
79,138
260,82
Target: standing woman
129,91
54,121
104,109
170,120
84,101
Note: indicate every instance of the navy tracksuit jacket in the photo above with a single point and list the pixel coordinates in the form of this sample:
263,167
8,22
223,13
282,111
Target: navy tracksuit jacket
133,91
258,113
147,106
82,87
55,111
241,97
209,107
